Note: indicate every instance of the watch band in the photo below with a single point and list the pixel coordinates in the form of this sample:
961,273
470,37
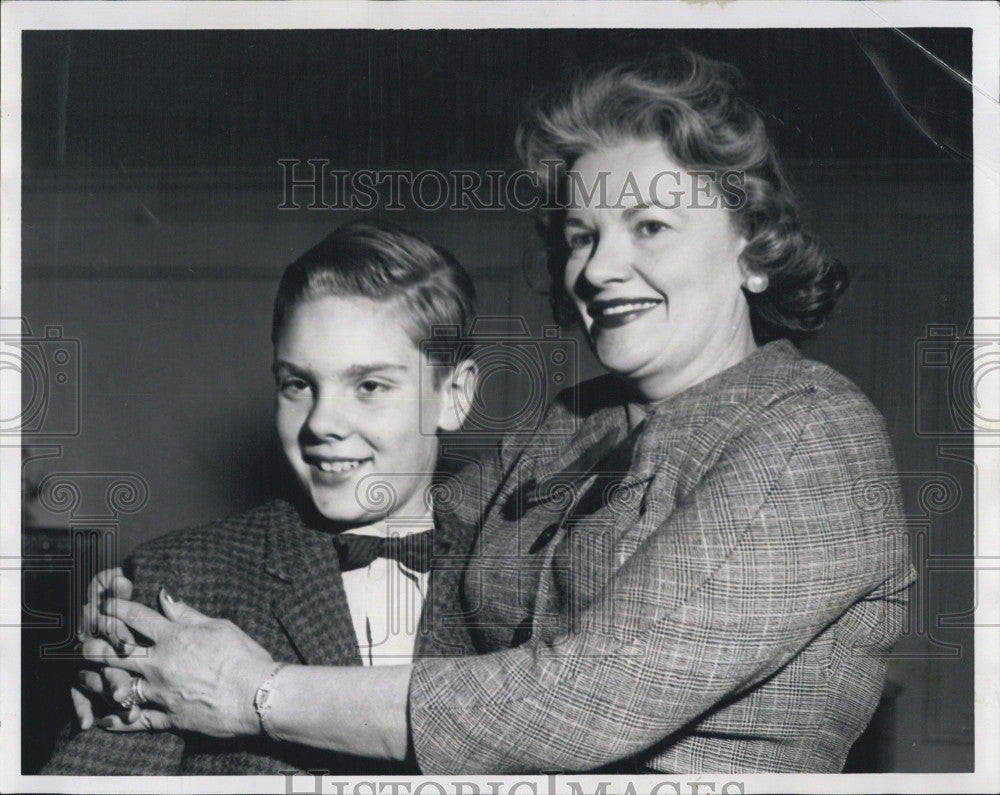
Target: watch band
262,699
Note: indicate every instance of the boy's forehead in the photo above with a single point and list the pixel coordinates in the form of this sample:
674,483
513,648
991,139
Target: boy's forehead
353,333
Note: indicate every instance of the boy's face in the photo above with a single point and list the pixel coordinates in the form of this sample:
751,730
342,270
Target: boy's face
350,405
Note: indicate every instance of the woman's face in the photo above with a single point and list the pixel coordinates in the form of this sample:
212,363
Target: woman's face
654,269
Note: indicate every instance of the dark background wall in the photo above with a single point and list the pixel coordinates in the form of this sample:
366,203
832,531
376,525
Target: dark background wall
152,242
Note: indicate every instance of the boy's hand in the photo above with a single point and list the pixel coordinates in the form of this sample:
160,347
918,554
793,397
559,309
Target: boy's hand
107,584
96,688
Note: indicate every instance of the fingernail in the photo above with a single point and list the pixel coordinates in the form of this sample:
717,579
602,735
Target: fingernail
168,597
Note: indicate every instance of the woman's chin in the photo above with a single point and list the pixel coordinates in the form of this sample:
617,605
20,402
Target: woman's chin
620,358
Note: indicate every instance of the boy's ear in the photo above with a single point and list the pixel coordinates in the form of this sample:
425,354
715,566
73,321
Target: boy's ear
457,393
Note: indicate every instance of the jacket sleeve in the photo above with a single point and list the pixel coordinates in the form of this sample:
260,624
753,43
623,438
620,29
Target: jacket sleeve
101,753
772,546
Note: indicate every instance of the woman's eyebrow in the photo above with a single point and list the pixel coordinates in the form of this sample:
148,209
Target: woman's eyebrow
630,212
283,366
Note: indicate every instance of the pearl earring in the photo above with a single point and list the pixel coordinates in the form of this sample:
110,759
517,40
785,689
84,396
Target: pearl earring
757,283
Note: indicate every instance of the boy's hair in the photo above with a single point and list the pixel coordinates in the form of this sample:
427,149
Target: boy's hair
381,262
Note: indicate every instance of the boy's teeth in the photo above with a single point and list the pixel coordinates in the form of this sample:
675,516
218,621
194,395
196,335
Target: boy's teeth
338,466
621,309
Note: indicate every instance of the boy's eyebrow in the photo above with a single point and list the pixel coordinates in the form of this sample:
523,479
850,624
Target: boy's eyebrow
361,370
354,371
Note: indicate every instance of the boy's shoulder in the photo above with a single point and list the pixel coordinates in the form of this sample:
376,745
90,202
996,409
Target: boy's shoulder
231,538
222,566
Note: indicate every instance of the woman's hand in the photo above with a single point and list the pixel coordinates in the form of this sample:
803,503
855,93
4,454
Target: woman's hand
201,673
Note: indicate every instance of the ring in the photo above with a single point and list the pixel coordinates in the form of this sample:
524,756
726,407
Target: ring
135,696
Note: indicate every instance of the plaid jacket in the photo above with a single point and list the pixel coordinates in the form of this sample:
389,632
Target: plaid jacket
717,594
278,580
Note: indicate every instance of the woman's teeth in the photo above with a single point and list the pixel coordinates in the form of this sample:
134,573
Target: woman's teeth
622,309
339,466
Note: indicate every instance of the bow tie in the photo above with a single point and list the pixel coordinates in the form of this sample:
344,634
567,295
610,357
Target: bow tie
412,551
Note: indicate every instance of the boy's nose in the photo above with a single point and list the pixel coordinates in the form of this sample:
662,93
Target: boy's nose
328,418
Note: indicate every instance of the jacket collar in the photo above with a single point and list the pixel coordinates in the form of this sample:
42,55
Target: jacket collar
309,602
307,592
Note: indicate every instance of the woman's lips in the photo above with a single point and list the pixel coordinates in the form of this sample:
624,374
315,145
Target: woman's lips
620,312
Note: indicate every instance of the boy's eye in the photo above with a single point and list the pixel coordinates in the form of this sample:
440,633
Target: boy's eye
370,387
650,228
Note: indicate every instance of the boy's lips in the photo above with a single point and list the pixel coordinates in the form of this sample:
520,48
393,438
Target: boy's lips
339,466
620,311
334,468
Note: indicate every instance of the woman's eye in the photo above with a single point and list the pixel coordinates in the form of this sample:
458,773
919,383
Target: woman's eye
650,228
292,387
579,240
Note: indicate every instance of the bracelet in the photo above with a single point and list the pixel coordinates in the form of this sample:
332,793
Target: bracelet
262,699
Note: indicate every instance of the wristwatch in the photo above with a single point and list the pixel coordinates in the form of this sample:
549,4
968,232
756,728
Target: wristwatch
262,698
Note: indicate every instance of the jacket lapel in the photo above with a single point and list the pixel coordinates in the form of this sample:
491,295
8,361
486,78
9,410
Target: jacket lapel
307,593
442,631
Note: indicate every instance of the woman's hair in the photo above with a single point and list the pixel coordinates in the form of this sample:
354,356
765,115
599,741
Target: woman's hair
381,262
691,104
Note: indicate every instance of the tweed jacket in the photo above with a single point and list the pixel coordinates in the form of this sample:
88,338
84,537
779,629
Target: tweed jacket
279,580
715,592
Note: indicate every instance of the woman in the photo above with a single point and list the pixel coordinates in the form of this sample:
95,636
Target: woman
699,564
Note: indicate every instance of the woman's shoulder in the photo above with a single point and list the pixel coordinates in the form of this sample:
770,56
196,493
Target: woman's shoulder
764,407
775,373
791,404
787,379
776,379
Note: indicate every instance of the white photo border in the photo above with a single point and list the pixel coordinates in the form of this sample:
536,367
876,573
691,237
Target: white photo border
982,17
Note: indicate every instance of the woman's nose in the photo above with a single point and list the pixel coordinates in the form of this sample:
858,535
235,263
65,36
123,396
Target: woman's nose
609,261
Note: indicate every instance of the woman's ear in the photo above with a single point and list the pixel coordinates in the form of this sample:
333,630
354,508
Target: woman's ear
457,392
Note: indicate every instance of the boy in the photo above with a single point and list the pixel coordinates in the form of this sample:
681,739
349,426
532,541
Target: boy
342,574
